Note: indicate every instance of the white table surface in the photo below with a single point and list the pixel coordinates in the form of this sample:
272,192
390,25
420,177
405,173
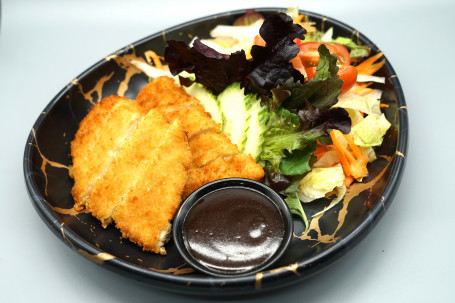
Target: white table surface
408,257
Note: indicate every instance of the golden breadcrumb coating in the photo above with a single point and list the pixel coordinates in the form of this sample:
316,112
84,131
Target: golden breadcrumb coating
163,91
196,120
208,146
214,156
127,167
97,141
145,213
235,166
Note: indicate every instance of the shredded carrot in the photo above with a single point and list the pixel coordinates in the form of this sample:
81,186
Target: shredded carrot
259,41
299,18
362,89
353,160
382,105
152,56
368,67
348,181
321,150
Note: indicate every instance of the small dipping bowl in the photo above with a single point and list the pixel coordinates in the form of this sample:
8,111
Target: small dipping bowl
232,227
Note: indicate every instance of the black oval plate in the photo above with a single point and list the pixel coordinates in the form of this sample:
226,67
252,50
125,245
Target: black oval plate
47,161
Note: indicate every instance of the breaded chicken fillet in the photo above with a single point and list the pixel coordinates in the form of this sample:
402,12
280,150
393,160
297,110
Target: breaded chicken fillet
98,140
214,156
233,166
131,165
163,92
126,168
152,201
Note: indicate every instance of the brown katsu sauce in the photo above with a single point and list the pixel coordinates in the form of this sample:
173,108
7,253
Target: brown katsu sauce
233,230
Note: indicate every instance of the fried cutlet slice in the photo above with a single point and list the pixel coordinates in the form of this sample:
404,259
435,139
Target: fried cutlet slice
196,120
208,146
145,213
164,92
214,156
98,139
126,168
240,166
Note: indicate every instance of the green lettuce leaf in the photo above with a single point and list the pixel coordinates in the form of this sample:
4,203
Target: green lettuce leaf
322,91
356,51
298,162
295,206
284,134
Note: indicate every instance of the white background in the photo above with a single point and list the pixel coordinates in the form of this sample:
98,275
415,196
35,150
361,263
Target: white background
408,257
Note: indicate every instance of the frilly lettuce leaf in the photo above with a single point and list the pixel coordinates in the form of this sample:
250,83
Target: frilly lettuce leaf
212,69
268,67
271,65
284,134
321,91
332,118
370,131
291,139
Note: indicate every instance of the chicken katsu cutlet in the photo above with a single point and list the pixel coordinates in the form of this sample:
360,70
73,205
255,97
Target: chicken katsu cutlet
163,92
126,169
98,139
214,155
151,202
140,167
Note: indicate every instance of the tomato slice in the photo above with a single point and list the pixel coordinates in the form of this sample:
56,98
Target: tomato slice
347,73
310,72
343,55
309,54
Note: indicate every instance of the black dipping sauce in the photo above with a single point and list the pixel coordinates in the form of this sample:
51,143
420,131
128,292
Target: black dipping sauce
233,230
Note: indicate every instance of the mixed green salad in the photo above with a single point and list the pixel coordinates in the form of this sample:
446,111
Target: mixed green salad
295,98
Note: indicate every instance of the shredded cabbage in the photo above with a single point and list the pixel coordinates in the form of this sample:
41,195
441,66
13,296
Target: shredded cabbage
367,103
368,78
320,181
370,131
